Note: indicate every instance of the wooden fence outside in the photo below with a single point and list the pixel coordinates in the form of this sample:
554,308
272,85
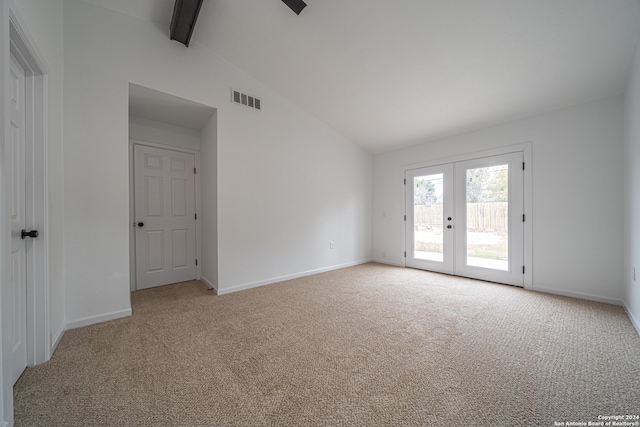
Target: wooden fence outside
480,216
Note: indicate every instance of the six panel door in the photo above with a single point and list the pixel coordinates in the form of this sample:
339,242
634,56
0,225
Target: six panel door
16,175
165,216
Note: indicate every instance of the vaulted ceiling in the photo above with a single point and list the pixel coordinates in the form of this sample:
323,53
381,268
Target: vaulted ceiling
389,74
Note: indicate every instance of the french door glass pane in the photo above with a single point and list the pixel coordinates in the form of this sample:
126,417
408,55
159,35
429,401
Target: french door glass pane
428,217
487,233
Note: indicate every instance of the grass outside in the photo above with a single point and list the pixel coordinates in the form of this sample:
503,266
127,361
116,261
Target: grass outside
477,246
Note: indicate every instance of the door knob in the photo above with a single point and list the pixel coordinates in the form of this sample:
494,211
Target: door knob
141,224
449,218
33,234
449,226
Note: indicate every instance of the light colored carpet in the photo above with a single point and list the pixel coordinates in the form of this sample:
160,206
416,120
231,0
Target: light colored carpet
368,345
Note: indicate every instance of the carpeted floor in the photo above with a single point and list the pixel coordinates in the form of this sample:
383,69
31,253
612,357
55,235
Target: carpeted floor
369,345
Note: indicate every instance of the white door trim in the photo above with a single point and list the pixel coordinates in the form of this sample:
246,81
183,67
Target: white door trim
526,149
132,243
17,40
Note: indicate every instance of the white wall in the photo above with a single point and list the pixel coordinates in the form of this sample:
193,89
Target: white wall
285,191
286,184
209,202
632,194
163,133
577,195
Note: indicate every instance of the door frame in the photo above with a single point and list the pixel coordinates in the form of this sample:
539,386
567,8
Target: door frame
16,39
132,219
526,149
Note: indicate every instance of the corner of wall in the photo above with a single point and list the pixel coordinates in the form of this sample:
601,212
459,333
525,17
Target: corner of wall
92,320
631,259
634,321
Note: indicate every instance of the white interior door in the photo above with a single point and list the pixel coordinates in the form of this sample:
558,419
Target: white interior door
165,212
15,167
466,218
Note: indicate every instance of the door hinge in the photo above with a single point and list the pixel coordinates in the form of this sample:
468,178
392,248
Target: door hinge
196,262
405,181
405,254
522,165
523,218
405,217
523,269
194,171
195,216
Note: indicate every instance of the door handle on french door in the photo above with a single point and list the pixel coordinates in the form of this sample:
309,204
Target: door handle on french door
449,226
141,224
33,234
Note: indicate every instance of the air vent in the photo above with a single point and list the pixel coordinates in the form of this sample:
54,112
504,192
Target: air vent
244,99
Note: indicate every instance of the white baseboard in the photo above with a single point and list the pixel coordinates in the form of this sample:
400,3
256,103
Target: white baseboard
223,291
387,262
92,320
634,321
580,295
57,337
209,284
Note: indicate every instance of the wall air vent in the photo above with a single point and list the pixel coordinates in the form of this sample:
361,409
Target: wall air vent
244,99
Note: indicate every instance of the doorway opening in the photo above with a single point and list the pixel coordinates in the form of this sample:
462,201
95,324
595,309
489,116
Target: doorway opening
173,150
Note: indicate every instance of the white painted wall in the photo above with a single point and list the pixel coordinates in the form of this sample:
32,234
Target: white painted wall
163,133
209,202
632,194
283,197
286,184
577,195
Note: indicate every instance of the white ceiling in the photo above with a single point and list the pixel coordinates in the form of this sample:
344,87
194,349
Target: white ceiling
159,106
388,74
151,10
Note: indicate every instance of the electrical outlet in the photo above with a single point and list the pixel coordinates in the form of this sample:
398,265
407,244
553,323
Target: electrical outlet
330,245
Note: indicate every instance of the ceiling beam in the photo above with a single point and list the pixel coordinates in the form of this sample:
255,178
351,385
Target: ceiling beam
185,13
295,5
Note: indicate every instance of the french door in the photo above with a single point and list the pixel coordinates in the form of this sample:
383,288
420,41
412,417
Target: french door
466,218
